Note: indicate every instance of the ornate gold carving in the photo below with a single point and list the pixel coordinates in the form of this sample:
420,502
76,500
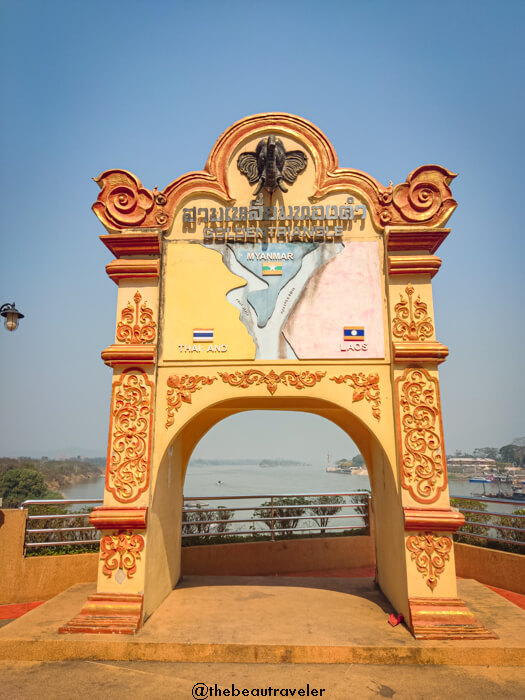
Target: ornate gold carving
180,391
137,324
430,554
423,470
365,387
121,551
411,321
425,196
130,436
299,380
124,203
425,192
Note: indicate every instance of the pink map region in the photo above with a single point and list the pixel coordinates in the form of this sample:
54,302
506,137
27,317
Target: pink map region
344,292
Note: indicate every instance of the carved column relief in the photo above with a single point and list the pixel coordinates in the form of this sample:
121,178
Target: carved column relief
423,469
365,387
430,553
411,321
136,324
130,436
120,552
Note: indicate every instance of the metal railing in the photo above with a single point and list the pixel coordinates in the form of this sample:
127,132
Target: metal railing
38,537
200,521
270,517
489,527
59,528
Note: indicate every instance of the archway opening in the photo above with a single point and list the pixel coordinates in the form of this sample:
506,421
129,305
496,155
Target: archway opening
266,476
165,525
257,450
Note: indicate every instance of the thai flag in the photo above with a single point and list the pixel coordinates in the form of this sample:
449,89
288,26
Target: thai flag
202,335
355,334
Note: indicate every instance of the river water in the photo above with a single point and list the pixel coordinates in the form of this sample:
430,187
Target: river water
251,480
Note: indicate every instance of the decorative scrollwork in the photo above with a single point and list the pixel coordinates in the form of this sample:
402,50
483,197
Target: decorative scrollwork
124,203
424,195
430,554
121,551
423,469
137,324
180,391
365,387
130,436
299,380
411,322
385,197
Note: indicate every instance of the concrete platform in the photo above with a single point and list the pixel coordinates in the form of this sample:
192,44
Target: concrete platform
270,620
157,680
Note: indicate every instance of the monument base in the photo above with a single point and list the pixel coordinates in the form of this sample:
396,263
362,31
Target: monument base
307,620
107,614
445,618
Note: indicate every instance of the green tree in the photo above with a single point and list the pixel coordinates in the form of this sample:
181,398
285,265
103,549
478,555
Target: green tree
343,463
358,461
289,509
75,537
517,535
199,521
486,452
471,528
18,485
363,507
514,454
323,507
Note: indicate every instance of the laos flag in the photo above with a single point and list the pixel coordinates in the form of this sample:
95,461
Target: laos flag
354,333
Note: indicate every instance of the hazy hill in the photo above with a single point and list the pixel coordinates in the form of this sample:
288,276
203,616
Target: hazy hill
57,474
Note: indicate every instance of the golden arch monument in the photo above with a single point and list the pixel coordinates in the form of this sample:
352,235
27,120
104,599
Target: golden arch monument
274,279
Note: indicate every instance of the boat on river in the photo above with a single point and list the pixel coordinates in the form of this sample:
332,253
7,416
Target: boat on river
499,487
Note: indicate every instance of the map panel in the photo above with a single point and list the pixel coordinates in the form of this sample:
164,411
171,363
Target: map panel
344,293
300,297
276,275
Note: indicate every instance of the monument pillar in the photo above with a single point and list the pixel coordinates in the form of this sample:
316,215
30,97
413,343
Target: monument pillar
434,610
117,607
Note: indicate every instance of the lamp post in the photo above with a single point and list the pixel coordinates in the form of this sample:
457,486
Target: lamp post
11,316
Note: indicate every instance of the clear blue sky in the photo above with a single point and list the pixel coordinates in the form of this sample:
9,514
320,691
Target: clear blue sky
94,85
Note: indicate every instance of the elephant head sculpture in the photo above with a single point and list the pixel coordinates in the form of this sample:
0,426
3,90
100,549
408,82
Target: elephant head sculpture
270,164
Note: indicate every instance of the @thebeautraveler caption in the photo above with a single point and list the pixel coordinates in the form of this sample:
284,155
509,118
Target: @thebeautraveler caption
201,691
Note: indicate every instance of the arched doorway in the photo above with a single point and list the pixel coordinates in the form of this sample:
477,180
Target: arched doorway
173,466
274,279
288,484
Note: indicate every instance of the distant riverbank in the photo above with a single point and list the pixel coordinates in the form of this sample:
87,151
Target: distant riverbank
59,475
215,480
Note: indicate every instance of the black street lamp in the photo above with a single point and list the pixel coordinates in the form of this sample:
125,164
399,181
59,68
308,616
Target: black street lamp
11,316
